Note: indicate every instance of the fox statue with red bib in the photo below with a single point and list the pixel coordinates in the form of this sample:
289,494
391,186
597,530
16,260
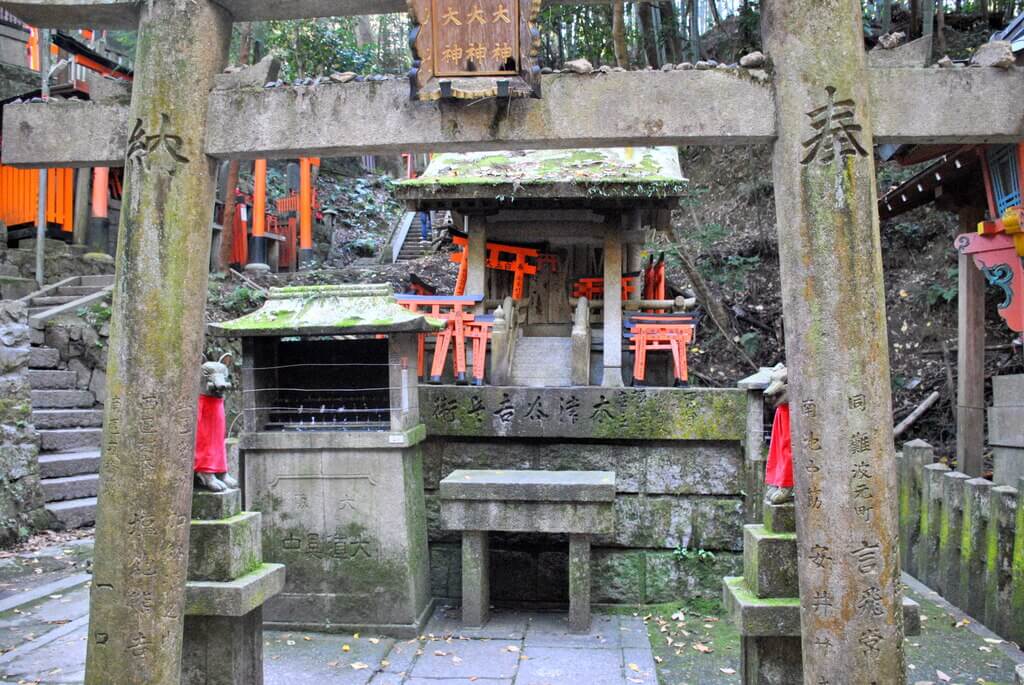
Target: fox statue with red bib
211,464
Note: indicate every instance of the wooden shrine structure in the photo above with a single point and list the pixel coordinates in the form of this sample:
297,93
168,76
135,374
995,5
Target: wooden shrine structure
545,227
821,108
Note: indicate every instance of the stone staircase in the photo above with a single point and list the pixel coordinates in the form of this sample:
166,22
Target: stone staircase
542,362
413,247
69,419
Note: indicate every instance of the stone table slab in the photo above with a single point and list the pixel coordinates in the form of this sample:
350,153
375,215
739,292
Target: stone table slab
531,486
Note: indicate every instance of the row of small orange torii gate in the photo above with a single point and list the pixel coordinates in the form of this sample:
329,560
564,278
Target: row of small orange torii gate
821,109
653,330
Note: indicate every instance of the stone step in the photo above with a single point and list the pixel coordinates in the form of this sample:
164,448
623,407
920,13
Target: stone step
75,513
70,487
67,418
37,336
52,301
77,290
769,562
64,464
68,439
99,281
43,358
52,379
36,311
62,399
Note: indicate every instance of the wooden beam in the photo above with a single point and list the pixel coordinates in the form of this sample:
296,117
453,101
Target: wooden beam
970,395
603,110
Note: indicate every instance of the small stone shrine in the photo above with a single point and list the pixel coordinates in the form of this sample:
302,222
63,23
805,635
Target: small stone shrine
228,584
331,457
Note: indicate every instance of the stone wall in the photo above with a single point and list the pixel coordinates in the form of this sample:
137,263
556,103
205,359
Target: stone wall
679,505
21,499
964,538
61,261
82,344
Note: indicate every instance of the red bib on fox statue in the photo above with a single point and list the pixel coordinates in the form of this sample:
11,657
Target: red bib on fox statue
211,456
780,453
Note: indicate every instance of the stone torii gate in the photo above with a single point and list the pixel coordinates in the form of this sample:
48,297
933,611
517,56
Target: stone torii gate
823,109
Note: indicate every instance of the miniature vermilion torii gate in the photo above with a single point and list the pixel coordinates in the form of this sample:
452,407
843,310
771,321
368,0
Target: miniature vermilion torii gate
823,109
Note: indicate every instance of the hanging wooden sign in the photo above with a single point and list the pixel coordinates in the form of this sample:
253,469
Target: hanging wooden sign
470,49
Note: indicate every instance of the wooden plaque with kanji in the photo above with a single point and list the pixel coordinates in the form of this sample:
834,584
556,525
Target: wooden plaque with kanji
473,49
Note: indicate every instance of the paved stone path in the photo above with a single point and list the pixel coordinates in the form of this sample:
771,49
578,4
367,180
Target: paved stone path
515,648
44,615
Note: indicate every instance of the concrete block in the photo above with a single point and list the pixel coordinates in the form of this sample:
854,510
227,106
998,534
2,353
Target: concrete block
350,524
214,506
1008,390
769,562
931,510
237,597
220,650
1002,519
226,549
1007,464
974,546
780,518
951,535
1006,426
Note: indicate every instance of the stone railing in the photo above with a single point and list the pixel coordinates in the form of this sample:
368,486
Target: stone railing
503,342
21,498
964,538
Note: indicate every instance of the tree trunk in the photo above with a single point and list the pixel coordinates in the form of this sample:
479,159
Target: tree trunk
364,32
940,27
670,30
644,12
227,231
914,30
619,33
713,6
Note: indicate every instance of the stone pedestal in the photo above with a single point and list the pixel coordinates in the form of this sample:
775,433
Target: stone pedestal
228,583
346,513
765,602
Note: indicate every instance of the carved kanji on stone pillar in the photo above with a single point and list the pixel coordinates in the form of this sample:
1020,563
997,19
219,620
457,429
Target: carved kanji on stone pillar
836,347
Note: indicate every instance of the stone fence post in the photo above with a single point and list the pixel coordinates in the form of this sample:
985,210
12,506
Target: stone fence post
916,454
931,510
950,535
999,559
21,500
974,545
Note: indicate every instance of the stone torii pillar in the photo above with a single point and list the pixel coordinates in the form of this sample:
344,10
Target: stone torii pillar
836,344
142,528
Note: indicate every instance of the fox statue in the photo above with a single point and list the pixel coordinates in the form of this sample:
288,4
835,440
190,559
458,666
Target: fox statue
211,465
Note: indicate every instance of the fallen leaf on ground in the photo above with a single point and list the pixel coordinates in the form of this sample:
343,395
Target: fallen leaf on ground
728,671
359,666
634,667
942,676
702,648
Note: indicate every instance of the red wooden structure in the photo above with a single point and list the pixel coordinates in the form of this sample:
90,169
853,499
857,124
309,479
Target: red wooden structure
500,257
660,332
456,311
593,288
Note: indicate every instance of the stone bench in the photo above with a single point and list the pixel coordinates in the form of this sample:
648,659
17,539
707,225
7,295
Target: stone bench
578,503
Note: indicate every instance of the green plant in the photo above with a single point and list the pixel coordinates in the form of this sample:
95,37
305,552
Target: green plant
242,300
944,290
751,342
685,554
96,314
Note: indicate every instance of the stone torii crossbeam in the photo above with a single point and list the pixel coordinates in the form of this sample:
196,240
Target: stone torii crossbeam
822,108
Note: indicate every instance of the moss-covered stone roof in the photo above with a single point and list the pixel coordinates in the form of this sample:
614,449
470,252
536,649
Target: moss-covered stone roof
328,310
641,172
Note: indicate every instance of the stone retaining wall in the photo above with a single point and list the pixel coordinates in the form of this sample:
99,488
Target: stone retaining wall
681,494
964,538
21,499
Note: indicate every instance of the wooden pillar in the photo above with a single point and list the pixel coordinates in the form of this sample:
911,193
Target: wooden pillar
83,198
836,344
97,232
476,272
612,377
970,361
156,338
633,222
305,212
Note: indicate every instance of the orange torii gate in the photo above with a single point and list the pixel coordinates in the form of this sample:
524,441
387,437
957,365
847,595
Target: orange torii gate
518,265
